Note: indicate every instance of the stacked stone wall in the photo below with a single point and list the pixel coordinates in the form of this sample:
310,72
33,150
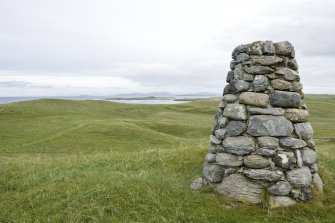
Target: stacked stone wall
261,140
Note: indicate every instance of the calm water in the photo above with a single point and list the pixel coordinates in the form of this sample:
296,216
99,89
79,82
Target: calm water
149,102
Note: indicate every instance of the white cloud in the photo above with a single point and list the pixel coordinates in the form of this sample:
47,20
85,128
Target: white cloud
102,47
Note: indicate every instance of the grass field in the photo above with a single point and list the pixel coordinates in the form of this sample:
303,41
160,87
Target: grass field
96,161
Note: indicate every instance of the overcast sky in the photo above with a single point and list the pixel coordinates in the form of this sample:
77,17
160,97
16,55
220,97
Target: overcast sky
96,47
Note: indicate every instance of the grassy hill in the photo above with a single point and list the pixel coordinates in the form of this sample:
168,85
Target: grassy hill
97,161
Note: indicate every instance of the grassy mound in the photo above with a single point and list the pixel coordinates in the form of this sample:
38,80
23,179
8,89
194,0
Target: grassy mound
97,161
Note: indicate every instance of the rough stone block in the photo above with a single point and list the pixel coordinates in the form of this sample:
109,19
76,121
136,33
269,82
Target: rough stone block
281,201
282,85
266,111
262,174
300,177
296,115
256,99
285,99
268,125
284,48
304,130
235,112
258,69
236,128
292,143
257,162
229,160
280,188
288,74
240,145
240,188
260,83
265,60
213,172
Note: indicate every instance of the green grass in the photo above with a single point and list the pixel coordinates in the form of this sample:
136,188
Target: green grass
96,161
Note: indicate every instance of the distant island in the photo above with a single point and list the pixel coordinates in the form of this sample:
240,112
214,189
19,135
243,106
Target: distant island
152,98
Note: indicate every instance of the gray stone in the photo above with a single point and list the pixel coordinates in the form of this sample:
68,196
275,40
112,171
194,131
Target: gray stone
268,48
262,174
279,84
255,48
196,184
256,99
242,57
317,182
300,177
295,193
309,157
273,76
236,128
218,114
240,145
303,130
213,173
230,76
229,170
220,134
298,157
292,64
268,142
255,161
222,122
314,168
212,149
265,152
222,104
241,85
235,111
260,83
215,126
281,201
310,143
268,125
306,194
265,60
247,77
284,48
238,72
292,143
288,74
285,99
214,140
229,160
296,86
258,69
285,160
210,158
239,49
296,115
280,188
229,98
233,63
266,111
236,86
240,188
220,148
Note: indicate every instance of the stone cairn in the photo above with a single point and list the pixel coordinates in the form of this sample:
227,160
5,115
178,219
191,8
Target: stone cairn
261,143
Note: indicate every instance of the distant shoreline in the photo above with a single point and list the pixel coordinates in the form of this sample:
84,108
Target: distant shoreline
153,98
